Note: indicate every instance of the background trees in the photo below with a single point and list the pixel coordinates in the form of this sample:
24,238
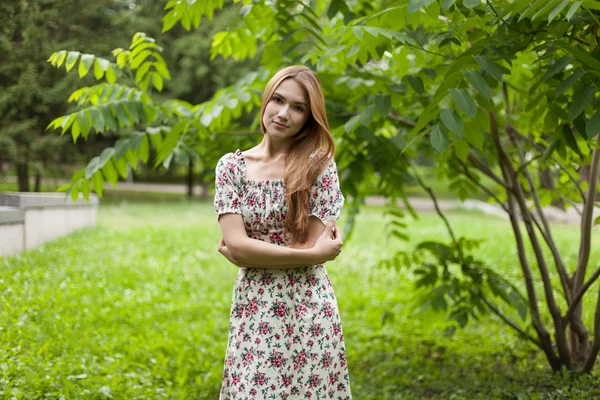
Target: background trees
490,93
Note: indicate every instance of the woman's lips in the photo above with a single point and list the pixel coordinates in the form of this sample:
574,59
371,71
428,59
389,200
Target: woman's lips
277,124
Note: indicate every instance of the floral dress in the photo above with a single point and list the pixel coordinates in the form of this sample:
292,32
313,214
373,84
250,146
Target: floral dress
285,334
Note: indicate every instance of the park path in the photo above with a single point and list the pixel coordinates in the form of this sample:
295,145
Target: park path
553,214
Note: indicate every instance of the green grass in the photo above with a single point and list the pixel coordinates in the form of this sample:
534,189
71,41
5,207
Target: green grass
137,308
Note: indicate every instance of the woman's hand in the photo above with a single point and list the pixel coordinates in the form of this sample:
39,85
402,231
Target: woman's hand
329,245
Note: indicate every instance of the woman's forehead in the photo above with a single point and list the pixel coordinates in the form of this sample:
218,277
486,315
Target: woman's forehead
292,91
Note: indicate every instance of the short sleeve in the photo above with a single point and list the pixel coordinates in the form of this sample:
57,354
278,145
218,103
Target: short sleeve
227,186
326,199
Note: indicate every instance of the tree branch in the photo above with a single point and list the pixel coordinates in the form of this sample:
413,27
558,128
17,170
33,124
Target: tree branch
509,322
579,295
484,188
515,192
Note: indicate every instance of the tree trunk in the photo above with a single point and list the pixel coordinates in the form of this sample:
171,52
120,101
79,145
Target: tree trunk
23,176
190,180
38,182
205,190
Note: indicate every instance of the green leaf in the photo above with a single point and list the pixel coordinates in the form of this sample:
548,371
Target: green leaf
136,62
582,99
438,138
92,167
106,155
366,115
464,101
416,83
557,10
593,126
162,69
143,151
557,67
60,57
98,183
597,221
111,76
157,81
358,32
570,139
489,66
383,104
478,83
470,3
98,71
567,83
447,4
97,119
548,152
84,121
85,64
110,173
573,9
461,149
452,121
169,20
71,60
121,167
475,137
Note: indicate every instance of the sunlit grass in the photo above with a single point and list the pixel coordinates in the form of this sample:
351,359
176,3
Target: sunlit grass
137,308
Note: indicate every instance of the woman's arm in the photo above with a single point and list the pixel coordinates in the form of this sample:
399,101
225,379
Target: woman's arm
319,247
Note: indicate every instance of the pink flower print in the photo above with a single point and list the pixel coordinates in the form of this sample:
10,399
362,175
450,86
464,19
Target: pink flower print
257,341
302,309
235,378
291,279
239,310
261,291
266,279
326,183
311,280
289,330
236,203
259,378
337,328
248,357
326,359
276,238
286,381
253,392
333,378
264,328
313,380
315,329
308,395
251,308
251,201
327,310
308,293
276,359
279,309
272,388
300,360
310,343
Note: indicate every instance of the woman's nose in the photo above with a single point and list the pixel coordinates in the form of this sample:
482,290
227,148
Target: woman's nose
283,112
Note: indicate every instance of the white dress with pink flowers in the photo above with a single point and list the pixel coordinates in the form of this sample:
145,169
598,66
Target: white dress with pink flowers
285,334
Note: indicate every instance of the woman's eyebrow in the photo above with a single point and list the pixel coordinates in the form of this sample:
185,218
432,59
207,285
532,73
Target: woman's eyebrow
296,102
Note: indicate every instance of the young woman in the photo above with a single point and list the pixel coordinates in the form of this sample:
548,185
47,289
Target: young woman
277,205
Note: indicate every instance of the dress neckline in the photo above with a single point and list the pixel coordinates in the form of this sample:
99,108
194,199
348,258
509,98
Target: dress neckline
238,152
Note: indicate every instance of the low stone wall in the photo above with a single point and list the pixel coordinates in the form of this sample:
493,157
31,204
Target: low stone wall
28,220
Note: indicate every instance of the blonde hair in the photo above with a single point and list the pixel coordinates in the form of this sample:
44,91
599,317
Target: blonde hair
314,139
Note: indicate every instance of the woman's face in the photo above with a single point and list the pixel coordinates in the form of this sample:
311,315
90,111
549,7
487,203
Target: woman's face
287,111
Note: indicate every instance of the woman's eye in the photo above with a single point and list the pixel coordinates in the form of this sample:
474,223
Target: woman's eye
299,109
277,99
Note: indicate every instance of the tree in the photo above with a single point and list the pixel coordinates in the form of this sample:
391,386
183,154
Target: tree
491,91
32,92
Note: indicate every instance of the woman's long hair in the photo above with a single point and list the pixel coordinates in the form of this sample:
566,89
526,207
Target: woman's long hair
314,138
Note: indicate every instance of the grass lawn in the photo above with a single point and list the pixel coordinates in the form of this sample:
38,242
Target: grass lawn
137,308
